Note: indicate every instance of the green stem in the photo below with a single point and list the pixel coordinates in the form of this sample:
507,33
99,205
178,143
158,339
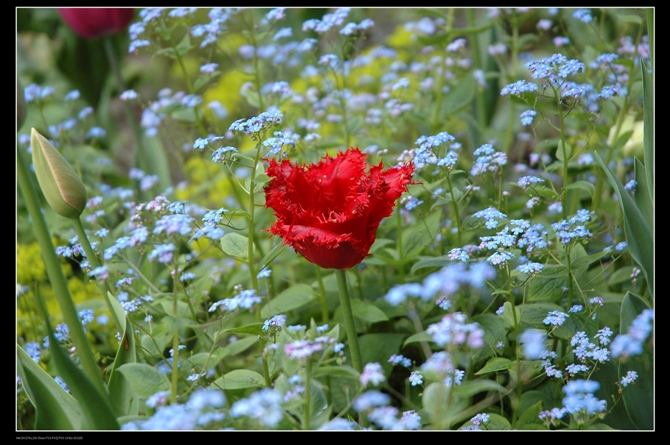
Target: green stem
56,276
308,396
322,296
93,261
175,343
250,257
457,213
348,316
401,266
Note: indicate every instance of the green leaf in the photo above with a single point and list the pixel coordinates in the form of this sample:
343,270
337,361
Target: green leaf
639,396
583,185
472,387
509,314
620,276
648,107
559,151
342,371
530,418
378,348
55,409
458,97
416,237
547,289
239,379
367,311
238,346
271,255
495,364
494,330
253,329
292,298
534,314
629,18
120,391
643,195
96,407
420,336
638,233
235,245
144,379
439,261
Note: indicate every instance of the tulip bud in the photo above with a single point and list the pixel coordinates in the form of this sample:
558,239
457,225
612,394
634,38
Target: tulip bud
60,184
95,22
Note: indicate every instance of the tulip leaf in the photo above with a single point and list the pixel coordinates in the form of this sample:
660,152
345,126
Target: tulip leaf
124,400
638,233
55,408
648,106
638,397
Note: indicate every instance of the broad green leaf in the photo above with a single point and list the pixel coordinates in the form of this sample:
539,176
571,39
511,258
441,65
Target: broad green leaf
472,387
639,396
55,409
648,106
238,346
629,18
239,379
495,331
547,289
367,311
495,364
583,185
378,348
253,329
585,261
620,276
529,418
511,315
439,261
292,298
638,233
534,314
235,245
420,336
144,379
578,255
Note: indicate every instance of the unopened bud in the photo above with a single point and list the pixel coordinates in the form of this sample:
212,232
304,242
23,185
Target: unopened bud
60,184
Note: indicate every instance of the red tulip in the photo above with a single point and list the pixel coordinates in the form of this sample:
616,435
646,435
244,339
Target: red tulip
329,212
96,22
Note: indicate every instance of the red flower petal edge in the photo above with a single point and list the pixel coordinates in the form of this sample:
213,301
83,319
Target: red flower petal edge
329,212
96,22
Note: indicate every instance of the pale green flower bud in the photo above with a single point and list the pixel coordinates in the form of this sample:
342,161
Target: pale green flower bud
60,184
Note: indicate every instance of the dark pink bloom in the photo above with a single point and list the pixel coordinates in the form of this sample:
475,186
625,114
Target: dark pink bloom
96,22
329,212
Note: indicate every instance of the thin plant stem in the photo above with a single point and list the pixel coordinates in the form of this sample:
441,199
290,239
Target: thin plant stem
348,316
